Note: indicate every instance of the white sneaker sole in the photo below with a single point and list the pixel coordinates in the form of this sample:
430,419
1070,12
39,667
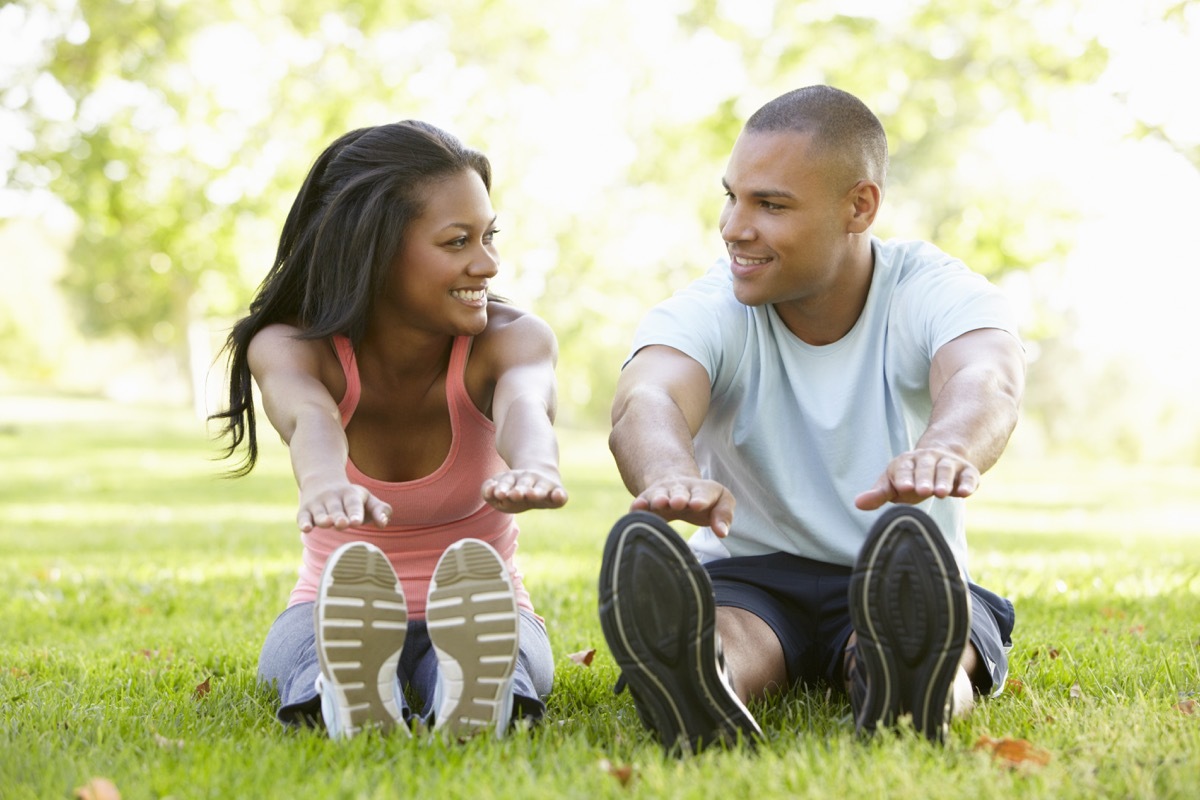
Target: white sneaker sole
361,621
473,624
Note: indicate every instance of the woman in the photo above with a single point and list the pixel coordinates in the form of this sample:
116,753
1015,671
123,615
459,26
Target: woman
418,412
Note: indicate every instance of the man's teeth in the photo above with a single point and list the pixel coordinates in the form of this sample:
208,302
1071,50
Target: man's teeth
473,296
750,262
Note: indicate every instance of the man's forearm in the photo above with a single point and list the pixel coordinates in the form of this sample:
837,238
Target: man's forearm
650,441
974,416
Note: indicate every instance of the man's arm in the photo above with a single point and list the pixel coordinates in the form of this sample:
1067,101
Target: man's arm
661,402
976,382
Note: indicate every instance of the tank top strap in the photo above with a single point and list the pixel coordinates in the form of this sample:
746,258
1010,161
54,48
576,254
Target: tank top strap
345,354
456,381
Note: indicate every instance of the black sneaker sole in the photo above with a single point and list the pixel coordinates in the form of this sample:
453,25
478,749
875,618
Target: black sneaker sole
659,618
912,616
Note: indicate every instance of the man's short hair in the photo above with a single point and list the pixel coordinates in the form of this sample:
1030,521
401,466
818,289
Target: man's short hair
838,122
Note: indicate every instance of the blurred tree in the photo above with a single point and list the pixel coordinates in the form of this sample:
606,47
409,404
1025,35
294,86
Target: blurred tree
178,132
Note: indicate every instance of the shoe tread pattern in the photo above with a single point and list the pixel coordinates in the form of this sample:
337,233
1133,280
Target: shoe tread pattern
658,615
361,621
473,623
911,614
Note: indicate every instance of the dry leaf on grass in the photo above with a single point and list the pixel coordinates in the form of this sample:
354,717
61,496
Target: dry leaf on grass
202,689
1015,686
1076,691
98,789
1013,752
584,657
1186,707
622,772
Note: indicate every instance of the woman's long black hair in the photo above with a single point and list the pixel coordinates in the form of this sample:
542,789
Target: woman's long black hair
338,243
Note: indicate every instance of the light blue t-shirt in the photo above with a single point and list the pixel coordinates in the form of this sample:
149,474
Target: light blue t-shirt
796,431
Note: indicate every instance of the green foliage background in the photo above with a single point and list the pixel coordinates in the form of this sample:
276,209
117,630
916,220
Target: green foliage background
177,133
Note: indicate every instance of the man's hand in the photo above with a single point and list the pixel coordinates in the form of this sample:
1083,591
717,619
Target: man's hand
918,475
692,500
340,506
522,489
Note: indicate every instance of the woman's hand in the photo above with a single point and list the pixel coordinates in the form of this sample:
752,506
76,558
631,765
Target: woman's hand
522,489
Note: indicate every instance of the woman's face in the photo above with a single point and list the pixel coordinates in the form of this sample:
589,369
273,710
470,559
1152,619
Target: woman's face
440,277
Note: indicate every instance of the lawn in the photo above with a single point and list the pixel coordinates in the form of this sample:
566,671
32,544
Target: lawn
138,584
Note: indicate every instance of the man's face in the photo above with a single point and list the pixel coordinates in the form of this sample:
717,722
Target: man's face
785,219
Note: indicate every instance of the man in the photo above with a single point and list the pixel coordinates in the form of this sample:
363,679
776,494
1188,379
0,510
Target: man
811,379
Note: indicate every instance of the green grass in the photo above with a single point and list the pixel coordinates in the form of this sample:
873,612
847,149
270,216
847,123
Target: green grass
132,573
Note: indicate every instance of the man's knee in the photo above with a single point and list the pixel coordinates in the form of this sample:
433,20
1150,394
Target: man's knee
753,655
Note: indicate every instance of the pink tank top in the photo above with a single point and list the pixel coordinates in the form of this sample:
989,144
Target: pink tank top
430,513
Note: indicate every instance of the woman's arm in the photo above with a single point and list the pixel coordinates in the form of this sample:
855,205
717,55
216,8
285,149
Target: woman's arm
524,403
299,406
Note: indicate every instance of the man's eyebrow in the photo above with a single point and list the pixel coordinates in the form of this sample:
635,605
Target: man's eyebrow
763,193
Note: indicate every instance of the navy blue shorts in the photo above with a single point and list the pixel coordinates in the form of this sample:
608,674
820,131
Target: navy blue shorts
807,604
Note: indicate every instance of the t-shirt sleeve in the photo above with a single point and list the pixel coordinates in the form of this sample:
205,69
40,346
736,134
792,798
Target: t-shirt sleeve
945,299
696,320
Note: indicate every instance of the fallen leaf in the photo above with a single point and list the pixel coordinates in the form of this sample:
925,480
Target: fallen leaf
1138,630
584,657
623,772
1053,652
1076,691
1013,752
98,789
17,672
202,689
1186,707
1112,612
1015,686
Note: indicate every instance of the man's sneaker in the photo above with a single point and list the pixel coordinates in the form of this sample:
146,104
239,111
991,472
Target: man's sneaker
911,614
360,621
473,624
659,617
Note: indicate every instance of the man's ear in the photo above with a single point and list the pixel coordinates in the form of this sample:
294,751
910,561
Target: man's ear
865,197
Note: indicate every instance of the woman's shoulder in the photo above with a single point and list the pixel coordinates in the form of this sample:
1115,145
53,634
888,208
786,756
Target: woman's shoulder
514,335
508,322
283,347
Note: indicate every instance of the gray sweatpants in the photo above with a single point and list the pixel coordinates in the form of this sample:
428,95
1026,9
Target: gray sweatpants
289,662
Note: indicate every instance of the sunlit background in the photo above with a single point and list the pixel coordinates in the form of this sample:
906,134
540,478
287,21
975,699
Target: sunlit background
149,150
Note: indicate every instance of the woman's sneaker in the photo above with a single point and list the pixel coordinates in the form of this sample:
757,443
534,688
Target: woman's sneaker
658,614
911,613
473,624
360,620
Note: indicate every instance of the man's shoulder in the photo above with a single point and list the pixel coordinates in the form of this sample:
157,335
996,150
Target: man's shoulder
910,257
710,294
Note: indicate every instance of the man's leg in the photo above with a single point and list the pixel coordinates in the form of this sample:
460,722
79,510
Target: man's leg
753,655
659,617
